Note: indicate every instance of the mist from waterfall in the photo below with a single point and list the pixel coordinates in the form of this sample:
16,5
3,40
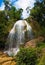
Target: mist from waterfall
19,34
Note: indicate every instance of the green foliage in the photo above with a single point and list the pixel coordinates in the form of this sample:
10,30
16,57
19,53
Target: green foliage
14,14
41,44
42,60
26,56
30,56
38,12
6,24
37,18
11,11
3,23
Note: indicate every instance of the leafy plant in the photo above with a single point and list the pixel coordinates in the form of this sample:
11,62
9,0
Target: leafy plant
26,56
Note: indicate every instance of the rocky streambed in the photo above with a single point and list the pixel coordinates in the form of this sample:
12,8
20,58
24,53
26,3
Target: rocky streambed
6,60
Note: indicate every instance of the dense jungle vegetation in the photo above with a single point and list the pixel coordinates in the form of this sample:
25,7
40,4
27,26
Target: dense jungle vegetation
26,56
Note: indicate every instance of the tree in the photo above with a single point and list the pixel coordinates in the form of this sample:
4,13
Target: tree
15,14
11,12
7,20
38,12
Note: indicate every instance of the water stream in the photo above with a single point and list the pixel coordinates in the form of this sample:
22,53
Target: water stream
19,34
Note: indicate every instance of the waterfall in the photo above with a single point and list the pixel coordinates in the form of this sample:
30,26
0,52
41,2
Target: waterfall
19,34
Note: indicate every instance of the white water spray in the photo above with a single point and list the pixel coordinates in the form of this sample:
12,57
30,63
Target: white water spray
19,34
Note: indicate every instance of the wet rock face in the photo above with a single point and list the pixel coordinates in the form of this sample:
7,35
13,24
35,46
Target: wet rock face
6,60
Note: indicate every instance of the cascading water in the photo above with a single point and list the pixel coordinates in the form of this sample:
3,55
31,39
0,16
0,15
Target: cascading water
19,34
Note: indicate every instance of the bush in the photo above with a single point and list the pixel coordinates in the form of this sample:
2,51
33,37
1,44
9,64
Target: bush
26,56
41,44
42,60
